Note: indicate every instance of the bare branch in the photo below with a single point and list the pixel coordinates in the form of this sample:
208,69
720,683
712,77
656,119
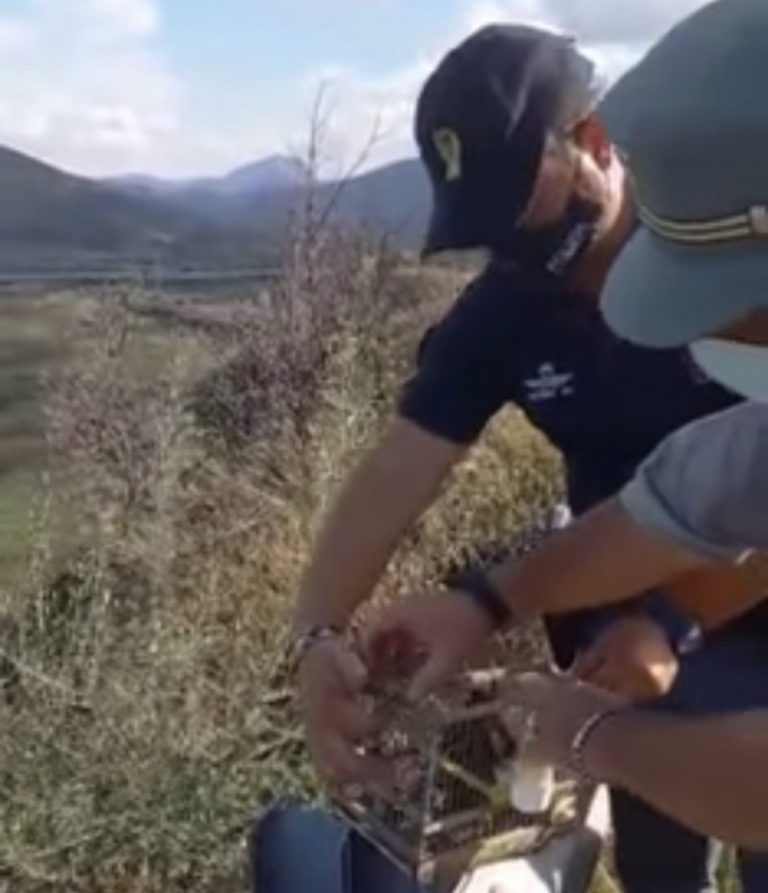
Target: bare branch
352,171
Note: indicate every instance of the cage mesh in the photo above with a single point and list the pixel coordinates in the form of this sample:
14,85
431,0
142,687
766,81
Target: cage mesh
449,810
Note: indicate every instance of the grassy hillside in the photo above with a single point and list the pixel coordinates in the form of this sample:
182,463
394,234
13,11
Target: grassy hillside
145,716
31,347
145,713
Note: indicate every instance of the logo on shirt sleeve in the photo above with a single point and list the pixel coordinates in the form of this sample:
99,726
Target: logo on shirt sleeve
549,384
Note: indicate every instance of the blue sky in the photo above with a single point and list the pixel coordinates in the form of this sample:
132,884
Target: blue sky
179,87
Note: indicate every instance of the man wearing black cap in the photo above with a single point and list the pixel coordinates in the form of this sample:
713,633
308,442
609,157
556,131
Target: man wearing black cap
486,119
521,169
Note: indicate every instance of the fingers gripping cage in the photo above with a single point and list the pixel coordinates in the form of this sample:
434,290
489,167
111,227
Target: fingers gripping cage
449,810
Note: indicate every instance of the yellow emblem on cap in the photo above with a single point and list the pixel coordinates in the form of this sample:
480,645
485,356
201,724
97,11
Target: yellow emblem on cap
448,147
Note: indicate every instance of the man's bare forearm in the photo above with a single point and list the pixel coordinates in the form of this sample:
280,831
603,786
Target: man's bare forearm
602,558
384,496
708,773
357,540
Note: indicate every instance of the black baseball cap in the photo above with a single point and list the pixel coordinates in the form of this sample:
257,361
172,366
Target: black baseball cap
482,121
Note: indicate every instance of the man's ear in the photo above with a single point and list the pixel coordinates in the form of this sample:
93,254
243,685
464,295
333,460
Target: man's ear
591,137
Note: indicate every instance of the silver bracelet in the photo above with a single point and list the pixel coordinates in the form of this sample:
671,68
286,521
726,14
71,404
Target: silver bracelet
584,735
305,642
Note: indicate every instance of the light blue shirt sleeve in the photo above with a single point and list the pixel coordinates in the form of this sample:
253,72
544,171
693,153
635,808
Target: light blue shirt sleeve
706,486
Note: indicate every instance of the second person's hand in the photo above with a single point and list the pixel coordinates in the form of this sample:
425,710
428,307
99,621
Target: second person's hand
559,707
631,658
426,637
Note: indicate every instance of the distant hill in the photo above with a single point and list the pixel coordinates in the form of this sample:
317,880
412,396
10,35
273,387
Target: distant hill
261,196
394,199
52,218
268,175
44,206
274,174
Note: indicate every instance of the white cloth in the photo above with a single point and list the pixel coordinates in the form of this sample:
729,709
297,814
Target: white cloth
565,866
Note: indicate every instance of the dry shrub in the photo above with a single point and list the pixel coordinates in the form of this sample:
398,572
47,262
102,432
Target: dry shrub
144,717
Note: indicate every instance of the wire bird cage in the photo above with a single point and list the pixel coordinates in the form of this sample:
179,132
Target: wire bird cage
449,811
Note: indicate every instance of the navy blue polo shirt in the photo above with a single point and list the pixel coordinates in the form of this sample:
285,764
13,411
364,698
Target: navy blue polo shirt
523,337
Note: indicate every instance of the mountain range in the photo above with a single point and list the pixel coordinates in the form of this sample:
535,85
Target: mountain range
267,175
51,219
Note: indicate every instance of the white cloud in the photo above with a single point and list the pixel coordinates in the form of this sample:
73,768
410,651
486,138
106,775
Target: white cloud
602,21
84,86
370,116
614,34
117,20
613,59
592,21
488,12
16,35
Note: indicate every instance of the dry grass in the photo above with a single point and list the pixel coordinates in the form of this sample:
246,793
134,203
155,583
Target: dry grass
144,718
30,345
144,714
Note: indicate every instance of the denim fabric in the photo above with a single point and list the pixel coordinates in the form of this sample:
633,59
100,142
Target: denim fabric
296,850
653,853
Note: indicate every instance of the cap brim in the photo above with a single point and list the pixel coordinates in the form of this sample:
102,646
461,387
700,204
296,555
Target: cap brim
471,215
453,228
442,234
664,294
456,226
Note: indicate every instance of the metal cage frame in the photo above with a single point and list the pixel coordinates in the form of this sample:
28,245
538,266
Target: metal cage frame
450,811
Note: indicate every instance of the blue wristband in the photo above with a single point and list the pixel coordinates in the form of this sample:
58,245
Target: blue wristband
684,634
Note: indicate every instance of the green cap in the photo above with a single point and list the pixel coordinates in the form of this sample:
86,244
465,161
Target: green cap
691,122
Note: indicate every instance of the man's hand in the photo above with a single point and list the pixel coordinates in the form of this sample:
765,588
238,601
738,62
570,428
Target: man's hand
332,680
559,706
427,638
631,658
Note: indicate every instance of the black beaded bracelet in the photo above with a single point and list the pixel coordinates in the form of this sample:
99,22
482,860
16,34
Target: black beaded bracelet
477,587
